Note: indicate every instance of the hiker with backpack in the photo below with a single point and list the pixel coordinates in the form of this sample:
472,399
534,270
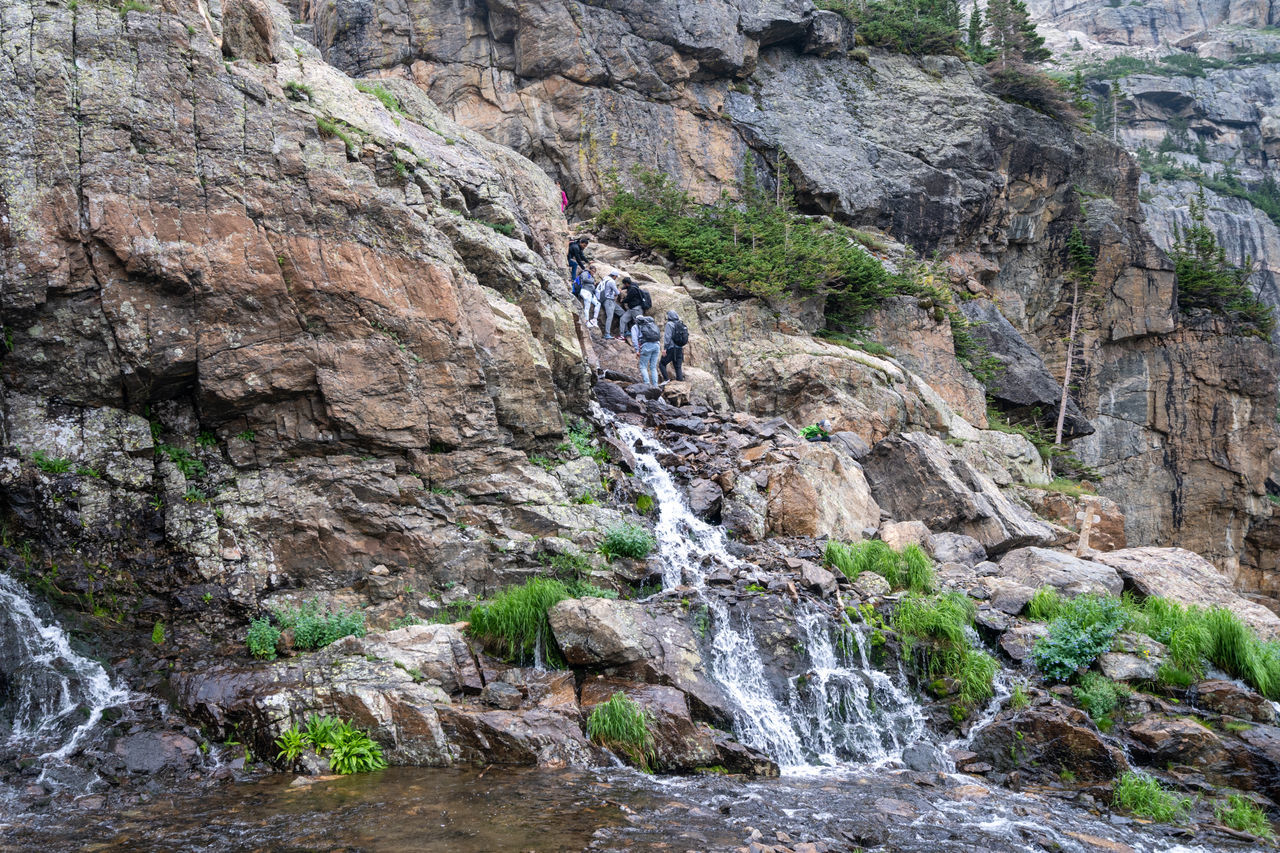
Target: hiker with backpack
675,336
647,341
586,287
608,294
577,255
636,301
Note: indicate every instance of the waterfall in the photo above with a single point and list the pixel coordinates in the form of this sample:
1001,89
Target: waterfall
51,698
842,710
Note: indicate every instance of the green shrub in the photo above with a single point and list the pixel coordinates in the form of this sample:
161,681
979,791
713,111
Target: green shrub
515,620
912,569
183,459
627,540
913,27
623,726
291,743
50,464
314,628
388,100
157,633
756,245
1083,629
1241,814
133,6
1098,694
298,91
1143,796
1174,677
1045,604
263,639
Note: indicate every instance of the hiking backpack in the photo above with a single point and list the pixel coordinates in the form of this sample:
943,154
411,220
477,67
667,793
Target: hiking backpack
649,333
645,302
679,333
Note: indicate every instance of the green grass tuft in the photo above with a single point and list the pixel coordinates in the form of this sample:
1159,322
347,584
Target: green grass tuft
623,726
515,621
912,569
390,101
1241,814
1142,795
939,627
1045,604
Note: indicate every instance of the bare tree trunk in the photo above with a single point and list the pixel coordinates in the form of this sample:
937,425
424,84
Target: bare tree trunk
1071,348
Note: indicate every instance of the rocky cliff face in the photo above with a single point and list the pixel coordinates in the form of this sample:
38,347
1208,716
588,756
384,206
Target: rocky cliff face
1154,24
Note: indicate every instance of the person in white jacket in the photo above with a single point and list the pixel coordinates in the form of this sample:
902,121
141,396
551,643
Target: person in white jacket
607,293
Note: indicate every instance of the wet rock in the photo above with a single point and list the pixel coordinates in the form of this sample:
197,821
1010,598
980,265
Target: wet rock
1046,739
913,475
154,752
680,744
820,493
1224,697
739,758
899,534
534,737
1188,578
705,497
1037,567
924,758
500,695
614,399
871,585
630,640
955,548
1179,740
817,579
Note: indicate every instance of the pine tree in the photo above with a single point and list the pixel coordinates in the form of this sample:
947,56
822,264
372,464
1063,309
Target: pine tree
1205,278
975,31
1080,269
1031,48
1000,27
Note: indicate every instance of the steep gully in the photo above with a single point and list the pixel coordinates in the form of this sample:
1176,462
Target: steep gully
839,734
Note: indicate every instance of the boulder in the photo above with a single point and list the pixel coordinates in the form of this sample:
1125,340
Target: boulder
630,640
1107,534
155,752
614,398
439,652
1224,697
680,744
1008,596
579,476
899,534
1179,740
820,493
871,585
1019,640
955,548
817,579
1046,739
705,499
1037,567
501,695
850,443
1133,657
1022,380
538,737
1188,578
913,475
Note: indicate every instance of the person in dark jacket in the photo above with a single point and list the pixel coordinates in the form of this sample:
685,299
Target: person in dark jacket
577,255
674,337
633,299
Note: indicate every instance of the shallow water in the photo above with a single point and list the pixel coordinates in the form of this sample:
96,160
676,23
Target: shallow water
473,811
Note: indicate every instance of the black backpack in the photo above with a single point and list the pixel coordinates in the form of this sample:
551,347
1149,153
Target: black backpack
649,333
645,302
679,333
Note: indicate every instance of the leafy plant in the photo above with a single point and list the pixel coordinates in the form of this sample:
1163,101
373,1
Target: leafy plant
87,471
263,639
1098,694
1018,700
183,460
515,620
546,463
355,752
1241,814
623,726
292,743
50,464
404,622
627,540
298,91
157,633
1142,795
315,628
1083,629
206,439
247,435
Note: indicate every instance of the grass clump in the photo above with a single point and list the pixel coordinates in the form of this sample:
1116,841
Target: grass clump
388,100
350,749
263,639
939,627
911,569
627,540
133,6
1018,699
1045,604
314,628
1083,629
1143,796
623,726
515,621
50,464
1243,815
298,91
330,127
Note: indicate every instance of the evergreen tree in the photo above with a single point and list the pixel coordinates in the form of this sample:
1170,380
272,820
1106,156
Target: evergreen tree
1080,268
1031,45
1000,27
975,31
1205,278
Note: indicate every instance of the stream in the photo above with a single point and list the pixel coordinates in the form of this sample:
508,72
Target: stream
838,732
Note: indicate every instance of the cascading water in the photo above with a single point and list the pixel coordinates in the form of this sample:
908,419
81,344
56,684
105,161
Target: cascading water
51,697
841,710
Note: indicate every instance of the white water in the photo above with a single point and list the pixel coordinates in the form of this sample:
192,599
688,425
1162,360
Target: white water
55,696
842,710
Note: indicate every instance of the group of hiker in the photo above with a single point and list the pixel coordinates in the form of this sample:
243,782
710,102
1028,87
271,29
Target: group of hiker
617,295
